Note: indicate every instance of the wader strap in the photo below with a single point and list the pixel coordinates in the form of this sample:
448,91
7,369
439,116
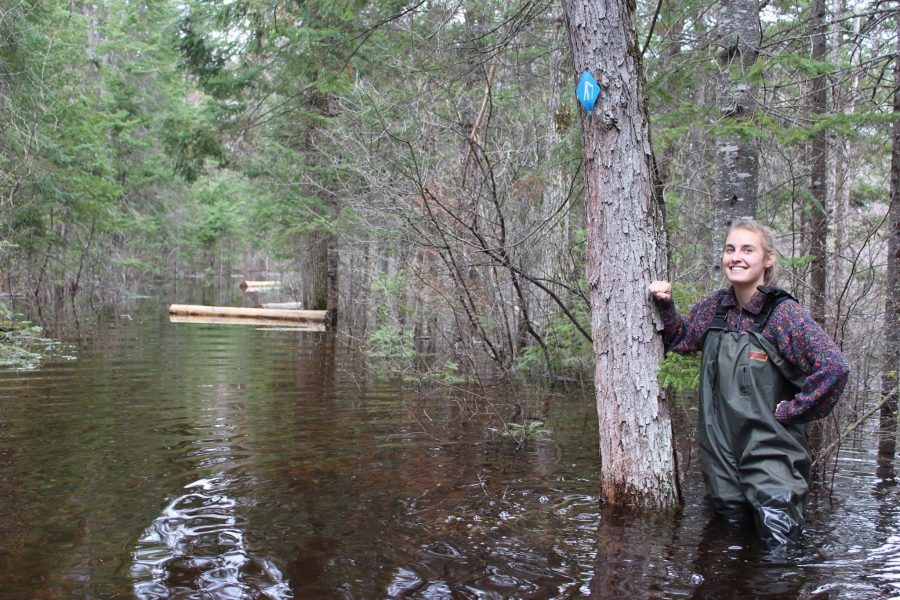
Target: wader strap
774,297
718,325
718,321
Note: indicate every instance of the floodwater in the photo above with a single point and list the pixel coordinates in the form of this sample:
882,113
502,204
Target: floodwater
176,460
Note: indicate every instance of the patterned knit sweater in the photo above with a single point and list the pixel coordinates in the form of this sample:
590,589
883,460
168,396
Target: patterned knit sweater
790,329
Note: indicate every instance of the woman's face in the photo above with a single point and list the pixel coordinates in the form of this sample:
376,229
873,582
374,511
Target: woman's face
743,260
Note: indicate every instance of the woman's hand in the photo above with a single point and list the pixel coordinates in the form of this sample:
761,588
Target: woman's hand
661,290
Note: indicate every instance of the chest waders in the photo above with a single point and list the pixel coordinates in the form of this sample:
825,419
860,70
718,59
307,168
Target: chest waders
751,462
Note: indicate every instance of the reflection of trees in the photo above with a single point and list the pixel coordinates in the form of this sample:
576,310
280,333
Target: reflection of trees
630,563
688,553
887,446
887,556
731,562
197,547
886,560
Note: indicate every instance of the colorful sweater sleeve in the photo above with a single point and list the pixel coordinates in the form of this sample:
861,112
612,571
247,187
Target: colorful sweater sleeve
685,335
805,344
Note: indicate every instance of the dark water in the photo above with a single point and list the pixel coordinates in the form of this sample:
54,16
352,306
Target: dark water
214,461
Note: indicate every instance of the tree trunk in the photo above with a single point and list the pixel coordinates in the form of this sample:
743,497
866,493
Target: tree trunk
321,259
737,176
839,186
888,441
313,269
554,209
626,251
817,219
334,263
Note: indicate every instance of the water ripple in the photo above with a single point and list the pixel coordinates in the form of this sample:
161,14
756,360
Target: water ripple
197,549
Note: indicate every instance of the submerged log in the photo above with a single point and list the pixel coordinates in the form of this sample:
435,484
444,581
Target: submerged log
258,285
280,315
281,305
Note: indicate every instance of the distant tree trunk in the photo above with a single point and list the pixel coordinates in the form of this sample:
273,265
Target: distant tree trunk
554,210
888,441
817,219
737,176
626,251
94,35
313,266
320,257
668,54
334,262
839,185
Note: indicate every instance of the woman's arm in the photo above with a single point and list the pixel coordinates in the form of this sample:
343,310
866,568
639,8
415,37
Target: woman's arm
805,344
682,335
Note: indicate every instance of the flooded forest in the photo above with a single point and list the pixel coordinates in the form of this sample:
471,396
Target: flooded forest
475,196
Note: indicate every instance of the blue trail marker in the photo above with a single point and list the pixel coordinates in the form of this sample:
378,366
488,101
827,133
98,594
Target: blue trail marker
588,90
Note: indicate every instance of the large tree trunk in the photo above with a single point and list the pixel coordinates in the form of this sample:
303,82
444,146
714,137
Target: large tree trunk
626,251
817,219
888,442
737,176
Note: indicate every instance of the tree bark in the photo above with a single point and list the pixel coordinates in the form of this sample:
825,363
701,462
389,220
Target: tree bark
888,440
626,251
737,175
313,269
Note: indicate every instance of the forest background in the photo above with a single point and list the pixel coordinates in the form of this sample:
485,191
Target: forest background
416,167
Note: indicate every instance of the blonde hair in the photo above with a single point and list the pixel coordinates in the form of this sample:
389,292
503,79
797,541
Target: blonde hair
767,240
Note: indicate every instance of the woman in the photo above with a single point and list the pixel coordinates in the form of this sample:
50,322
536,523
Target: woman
767,370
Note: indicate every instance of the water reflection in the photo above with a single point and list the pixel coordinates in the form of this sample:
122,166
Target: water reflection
850,549
313,478
197,549
887,556
887,559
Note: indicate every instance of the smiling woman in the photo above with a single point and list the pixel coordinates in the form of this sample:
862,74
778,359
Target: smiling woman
768,369
748,259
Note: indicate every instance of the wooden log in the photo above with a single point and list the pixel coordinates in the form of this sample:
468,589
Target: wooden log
282,305
268,324
194,310
314,327
259,285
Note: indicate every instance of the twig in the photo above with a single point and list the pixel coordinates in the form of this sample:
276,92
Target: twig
850,428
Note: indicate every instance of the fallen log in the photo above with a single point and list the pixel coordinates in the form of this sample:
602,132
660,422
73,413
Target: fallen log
281,315
268,324
259,285
282,305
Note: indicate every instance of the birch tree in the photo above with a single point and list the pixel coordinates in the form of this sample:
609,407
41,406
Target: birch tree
737,177
626,251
